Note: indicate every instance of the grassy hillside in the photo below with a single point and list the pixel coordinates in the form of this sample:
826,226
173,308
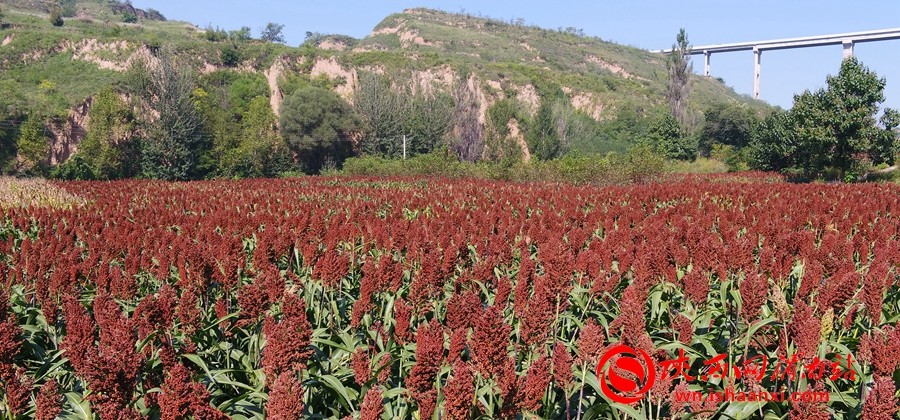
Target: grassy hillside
520,54
91,49
55,68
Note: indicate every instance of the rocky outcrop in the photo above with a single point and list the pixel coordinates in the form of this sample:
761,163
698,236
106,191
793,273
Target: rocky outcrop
437,79
127,8
516,134
589,104
331,68
273,75
68,132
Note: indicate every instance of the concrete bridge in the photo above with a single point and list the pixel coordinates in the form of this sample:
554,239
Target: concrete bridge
848,40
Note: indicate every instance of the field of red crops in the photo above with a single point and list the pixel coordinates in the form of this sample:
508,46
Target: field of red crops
408,298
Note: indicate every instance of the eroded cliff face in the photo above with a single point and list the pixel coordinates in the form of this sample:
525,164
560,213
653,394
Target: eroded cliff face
68,132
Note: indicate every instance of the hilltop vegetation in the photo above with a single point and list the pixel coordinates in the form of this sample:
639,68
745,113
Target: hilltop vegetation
471,88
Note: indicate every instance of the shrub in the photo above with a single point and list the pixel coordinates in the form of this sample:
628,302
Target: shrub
230,55
56,17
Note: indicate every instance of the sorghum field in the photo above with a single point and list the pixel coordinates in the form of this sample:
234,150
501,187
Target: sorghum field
411,298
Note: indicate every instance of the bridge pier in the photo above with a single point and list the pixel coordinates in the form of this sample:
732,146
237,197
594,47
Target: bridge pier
757,56
848,48
706,55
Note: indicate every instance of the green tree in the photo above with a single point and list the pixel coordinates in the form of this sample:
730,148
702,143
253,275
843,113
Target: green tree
384,111
727,124
174,139
667,138
887,142
542,136
679,68
829,129
273,32
467,141
8,137
317,125
32,144
773,143
390,111
261,151
429,124
241,35
109,148
620,133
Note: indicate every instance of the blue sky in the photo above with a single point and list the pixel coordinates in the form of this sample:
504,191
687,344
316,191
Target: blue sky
641,23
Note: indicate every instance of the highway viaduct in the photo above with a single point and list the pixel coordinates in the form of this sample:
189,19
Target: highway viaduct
848,40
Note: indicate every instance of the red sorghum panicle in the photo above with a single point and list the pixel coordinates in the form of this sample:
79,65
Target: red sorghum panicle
812,278
360,364
881,403
287,340
591,341
489,342
253,301
838,290
537,379
677,406
696,286
684,327
881,350
18,391
458,341
188,310
79,339
384,363
754,290
504,288
524,278
539,313
115,363
812,410
804,330
631,314
49,401
662,386
873,291
285,398
181,396
429,356
463,309
459,393
331,267
372,407
402,319
509,384
851,317
562,366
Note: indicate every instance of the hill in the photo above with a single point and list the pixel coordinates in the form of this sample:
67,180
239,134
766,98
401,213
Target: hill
60,69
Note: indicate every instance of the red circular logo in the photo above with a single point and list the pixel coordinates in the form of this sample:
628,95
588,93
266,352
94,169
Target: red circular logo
637,363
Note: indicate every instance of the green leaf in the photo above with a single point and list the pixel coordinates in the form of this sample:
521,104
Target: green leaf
335,385
80,406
